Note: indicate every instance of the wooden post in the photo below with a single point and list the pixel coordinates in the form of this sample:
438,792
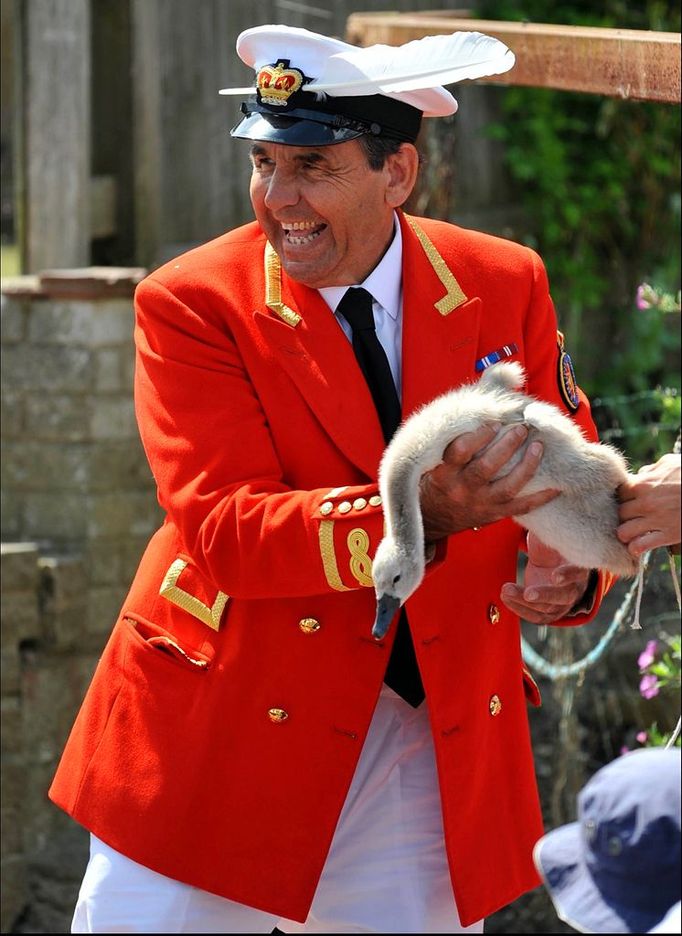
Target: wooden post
56,134
148,150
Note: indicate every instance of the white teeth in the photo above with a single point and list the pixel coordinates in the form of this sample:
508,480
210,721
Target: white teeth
299,226
298,241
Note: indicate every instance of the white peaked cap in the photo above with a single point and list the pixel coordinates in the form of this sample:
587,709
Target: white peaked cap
412,74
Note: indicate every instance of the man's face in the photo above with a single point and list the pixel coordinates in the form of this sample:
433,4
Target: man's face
326,213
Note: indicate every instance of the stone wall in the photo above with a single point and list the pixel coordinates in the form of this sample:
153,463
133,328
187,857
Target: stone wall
78,507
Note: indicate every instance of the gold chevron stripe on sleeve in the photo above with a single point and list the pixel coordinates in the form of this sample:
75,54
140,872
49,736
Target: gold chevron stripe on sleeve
331,569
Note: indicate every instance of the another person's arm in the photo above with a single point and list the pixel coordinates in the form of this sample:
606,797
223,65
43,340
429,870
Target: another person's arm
650,506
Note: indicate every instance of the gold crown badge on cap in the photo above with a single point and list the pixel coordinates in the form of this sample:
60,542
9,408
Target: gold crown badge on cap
276,83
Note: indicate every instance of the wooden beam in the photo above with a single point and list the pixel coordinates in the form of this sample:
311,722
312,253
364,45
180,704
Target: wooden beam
624,63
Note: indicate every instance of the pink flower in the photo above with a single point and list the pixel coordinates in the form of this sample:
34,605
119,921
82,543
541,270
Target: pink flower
648,686
645,296
624,749
642,737
648,654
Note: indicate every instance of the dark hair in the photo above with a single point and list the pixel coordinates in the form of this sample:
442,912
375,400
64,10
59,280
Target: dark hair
377,149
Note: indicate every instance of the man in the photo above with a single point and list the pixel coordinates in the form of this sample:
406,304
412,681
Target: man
248,756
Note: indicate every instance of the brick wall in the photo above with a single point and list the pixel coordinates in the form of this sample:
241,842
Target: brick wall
78,507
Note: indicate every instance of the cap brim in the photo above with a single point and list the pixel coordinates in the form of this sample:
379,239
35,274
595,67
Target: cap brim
558,856
271,128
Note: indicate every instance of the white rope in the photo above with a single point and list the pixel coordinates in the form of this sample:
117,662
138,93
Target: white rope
640,588
676,584
675,735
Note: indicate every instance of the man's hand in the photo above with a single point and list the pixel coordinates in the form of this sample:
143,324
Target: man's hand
460,493
649,512
552,587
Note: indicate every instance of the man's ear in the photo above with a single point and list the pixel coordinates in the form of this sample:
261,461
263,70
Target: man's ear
401,168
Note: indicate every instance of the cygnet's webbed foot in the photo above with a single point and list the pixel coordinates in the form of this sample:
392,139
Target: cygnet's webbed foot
387,606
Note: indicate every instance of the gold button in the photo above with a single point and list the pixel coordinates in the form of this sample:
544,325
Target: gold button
375,500
326,508
494,614
495,705
344,507
277,715
309,625
359,503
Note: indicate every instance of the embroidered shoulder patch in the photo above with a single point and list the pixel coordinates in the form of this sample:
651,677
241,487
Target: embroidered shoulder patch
568,385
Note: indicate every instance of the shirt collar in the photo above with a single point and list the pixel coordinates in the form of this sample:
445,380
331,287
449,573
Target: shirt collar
384,282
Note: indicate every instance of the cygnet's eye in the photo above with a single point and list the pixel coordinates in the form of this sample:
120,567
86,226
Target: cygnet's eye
396,578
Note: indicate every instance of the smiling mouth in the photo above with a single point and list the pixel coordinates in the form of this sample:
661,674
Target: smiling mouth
299,233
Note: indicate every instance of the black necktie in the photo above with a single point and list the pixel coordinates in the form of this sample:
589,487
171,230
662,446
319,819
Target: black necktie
402,672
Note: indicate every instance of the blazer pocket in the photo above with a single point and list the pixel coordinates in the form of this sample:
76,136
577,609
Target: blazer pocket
164,646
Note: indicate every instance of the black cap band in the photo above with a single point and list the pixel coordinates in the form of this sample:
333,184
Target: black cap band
330,120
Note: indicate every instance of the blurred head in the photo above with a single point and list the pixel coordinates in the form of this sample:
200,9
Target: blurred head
617,869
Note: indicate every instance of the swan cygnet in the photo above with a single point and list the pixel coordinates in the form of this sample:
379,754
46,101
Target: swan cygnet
580,523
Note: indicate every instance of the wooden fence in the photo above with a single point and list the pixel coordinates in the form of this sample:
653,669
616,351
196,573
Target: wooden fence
123,155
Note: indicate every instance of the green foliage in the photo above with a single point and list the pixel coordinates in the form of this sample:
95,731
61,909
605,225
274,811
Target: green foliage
661,15
654,737
599,179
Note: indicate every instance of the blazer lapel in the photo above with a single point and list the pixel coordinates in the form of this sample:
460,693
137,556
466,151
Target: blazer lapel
440,323
303,333
440,338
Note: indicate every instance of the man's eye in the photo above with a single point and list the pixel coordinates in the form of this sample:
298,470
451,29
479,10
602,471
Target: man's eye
312,164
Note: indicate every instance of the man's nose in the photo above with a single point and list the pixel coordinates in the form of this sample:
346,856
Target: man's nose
282,191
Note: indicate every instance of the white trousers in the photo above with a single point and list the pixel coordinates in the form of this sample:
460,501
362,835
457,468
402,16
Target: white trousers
386,871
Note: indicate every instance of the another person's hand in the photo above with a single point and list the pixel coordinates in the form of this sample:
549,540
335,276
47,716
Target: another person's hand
551,589
649,511
461,492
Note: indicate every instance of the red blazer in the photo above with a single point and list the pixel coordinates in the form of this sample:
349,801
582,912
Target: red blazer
220,733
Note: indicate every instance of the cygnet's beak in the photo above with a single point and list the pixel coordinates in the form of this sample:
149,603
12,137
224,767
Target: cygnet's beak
387,606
